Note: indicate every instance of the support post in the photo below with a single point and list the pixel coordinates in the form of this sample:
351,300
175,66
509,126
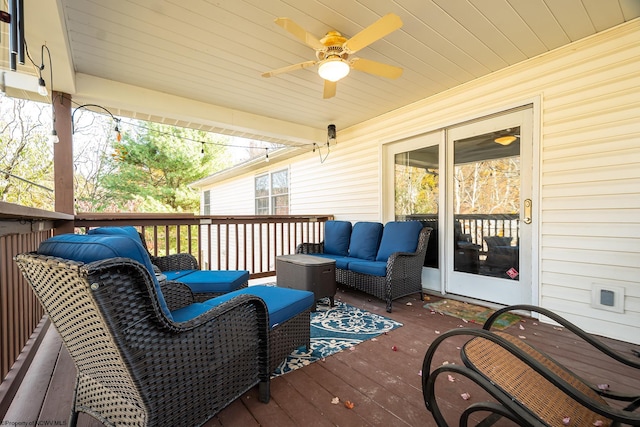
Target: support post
63,159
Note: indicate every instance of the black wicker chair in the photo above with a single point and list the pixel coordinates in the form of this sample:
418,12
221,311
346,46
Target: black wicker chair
404,272
528,387
137,366
181,263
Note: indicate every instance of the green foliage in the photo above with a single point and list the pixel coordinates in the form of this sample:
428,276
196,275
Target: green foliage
26,157
153,167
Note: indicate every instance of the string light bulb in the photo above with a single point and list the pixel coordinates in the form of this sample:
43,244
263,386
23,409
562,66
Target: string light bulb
266,155
117,129
53,138
42,89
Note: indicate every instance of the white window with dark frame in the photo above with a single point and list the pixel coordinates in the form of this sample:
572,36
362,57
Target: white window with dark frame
272,193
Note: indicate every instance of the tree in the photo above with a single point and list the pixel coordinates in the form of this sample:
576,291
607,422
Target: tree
154,163
26,156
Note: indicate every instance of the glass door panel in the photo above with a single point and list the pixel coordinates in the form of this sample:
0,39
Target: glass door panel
490,163
417,193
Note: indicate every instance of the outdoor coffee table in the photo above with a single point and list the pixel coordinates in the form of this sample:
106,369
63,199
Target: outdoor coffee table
309,273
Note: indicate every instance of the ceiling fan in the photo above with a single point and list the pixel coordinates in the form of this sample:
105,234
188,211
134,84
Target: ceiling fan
333,52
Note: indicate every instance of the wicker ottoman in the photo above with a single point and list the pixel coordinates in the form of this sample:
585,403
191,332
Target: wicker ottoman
309,273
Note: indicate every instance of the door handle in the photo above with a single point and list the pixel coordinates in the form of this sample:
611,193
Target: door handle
527,211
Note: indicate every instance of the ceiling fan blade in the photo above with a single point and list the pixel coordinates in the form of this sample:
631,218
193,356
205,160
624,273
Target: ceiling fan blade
300,33
329,89
376,68
383,26
289,68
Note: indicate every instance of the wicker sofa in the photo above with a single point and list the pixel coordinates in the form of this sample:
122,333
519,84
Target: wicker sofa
382,260
146,352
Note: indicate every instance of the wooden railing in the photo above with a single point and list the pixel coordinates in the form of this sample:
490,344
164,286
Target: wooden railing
21,230
219,242
478,226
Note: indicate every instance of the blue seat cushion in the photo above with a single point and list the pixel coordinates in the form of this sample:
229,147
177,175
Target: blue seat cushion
337,235
372,268
365,239
399,236
282,303
342,262
216,281
88,248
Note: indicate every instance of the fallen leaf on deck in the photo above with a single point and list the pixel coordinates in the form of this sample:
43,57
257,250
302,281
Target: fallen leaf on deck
603,386
335,400
349,405
394,348
420,373
437,332
465,396
521,328
522,337
451,379
409,303
598,423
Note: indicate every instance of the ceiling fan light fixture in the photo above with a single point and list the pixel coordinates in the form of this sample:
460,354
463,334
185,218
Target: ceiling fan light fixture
505,140
333,69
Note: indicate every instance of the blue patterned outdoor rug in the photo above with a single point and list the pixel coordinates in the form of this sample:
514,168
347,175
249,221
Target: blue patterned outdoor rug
334,329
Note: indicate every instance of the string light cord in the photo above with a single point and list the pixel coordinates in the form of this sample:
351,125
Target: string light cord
317,147
158,132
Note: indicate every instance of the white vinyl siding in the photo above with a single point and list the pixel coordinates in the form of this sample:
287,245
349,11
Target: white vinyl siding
588,202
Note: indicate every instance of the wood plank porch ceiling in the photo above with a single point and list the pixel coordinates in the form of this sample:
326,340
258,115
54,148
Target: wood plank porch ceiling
113,53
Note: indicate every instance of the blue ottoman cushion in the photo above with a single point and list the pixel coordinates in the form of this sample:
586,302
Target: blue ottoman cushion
282,303
214,281
399,236
177,275
365,239
337,235
89,248
189,312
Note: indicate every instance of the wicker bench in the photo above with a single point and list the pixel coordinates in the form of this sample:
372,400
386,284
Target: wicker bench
383,261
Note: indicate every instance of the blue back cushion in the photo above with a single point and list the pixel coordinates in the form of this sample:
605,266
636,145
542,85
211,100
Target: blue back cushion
89,248
336,237
365,239
399,236
127,230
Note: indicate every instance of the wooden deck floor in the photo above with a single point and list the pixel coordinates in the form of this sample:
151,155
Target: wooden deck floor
384,385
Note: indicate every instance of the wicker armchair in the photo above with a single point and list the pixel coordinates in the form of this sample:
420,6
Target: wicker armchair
403,272
529,387
136,365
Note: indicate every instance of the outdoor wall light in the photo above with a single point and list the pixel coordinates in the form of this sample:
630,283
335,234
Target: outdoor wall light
331,134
